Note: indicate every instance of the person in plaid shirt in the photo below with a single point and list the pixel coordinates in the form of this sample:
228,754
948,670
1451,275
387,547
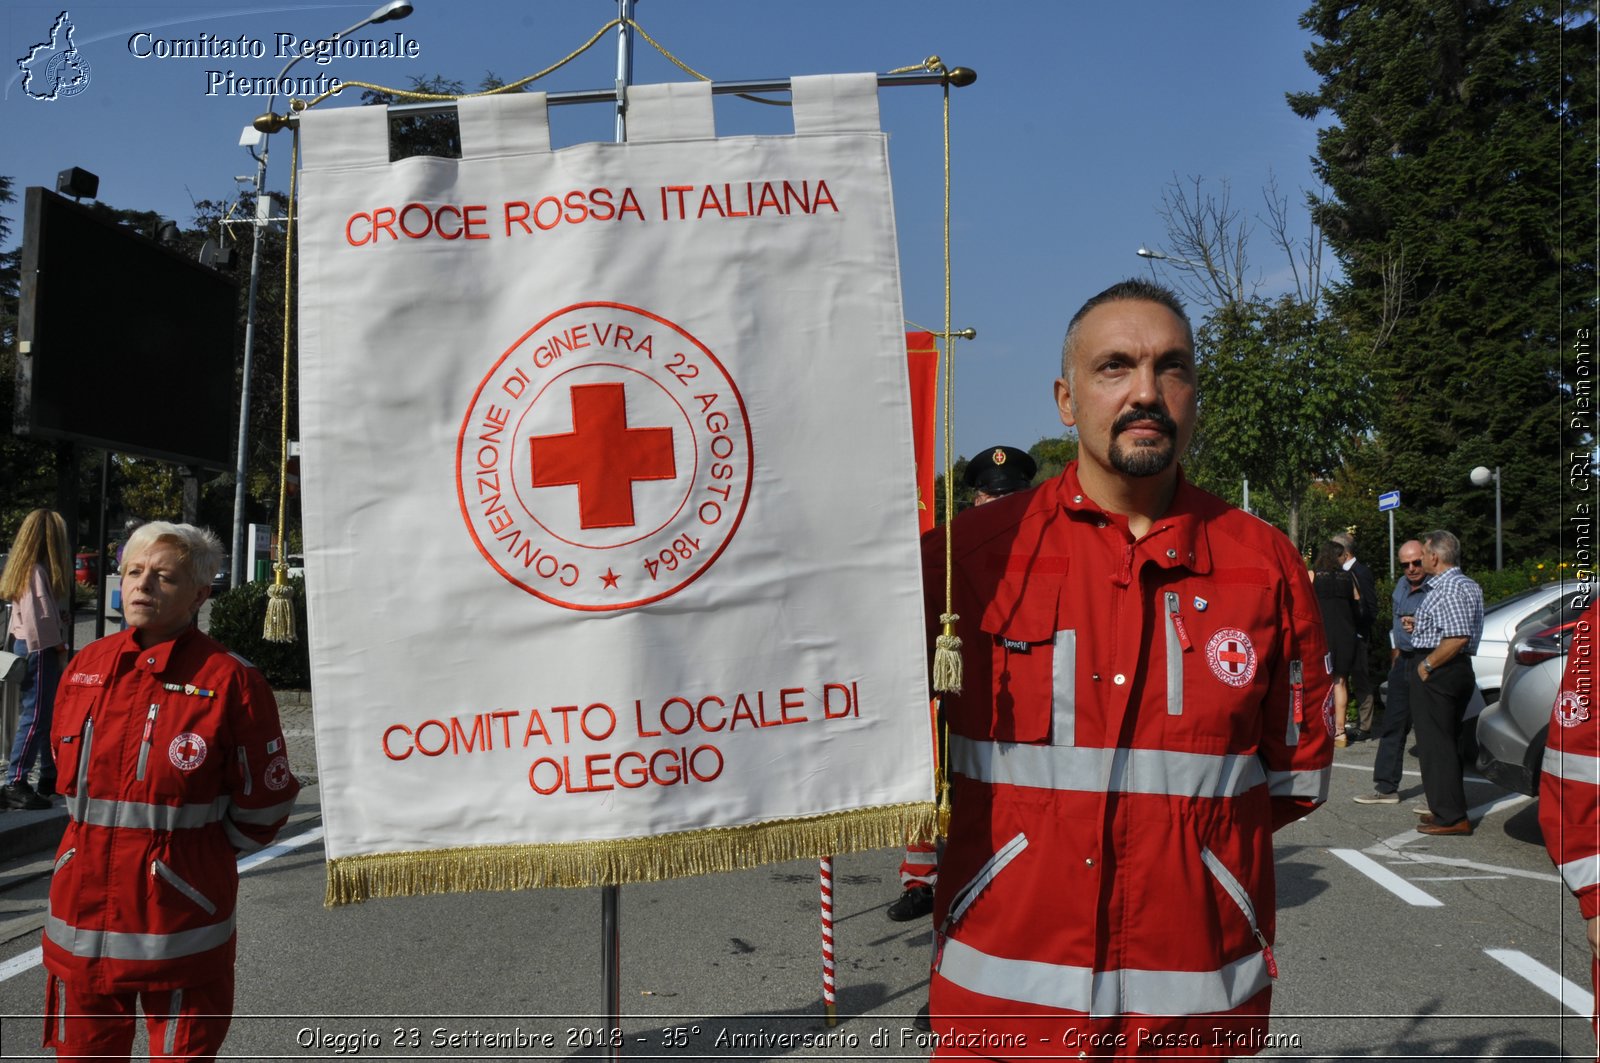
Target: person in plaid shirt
1445,634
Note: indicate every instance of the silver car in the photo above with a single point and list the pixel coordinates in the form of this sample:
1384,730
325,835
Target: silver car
1533,609
1512,731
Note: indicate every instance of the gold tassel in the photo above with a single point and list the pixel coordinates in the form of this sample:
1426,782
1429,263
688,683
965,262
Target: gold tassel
942,819
947,657
280,610
352,879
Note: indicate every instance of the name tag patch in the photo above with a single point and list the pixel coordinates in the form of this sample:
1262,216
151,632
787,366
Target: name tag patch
1015,645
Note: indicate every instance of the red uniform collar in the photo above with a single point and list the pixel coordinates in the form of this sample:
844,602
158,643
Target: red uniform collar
1177,539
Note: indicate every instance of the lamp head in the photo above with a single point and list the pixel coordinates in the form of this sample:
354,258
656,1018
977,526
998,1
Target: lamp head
395,9
1481,476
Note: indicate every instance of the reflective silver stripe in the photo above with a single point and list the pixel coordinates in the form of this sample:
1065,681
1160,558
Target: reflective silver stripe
263,817
112,945
136,815
172,1021
79,801
1174,658
1064,689
1235,888
1574,767
1297,693
1312,784
61,861
61,1010
172,879
244,769
1581,873
1093,770
980,881
1106,993
237,838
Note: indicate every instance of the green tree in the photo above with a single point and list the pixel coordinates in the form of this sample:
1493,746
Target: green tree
1283,399
1455,127
1283,392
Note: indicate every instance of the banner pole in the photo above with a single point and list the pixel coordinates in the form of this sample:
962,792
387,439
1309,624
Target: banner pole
830,1011
611,896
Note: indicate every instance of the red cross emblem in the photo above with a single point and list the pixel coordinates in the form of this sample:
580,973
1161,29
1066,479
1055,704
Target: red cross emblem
187,751
1232,657
602,456
1572,708
605,460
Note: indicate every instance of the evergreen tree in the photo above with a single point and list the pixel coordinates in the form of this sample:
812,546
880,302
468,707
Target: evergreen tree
1457,127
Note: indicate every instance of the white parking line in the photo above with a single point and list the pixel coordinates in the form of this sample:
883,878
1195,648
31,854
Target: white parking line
17,964
278,849
1572,996
27,961
1387,879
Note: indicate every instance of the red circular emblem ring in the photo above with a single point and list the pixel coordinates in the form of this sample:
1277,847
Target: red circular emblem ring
187,752
277,774
605,460
1232,657
1572,708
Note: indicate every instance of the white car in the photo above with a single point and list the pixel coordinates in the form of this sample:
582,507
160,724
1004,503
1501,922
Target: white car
1541,606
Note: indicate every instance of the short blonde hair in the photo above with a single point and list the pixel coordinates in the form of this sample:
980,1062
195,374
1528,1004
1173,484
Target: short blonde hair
198,548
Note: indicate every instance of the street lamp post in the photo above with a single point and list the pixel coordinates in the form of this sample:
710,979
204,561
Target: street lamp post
265,126
1481,477
1162,256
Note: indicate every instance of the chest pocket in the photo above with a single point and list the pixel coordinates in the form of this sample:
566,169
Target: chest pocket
179,754
1031,664
72,732
1219,639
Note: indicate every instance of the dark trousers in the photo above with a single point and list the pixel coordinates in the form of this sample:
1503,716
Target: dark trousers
1396,727
1437,707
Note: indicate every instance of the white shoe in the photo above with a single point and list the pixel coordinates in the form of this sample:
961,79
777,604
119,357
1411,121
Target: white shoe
1378,797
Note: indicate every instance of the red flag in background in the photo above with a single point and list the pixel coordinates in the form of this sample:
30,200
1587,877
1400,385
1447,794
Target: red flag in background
922,358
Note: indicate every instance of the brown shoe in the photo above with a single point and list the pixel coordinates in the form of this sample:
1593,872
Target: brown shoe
1430,826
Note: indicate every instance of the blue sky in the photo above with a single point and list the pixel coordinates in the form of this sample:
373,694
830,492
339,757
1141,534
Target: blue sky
1082,113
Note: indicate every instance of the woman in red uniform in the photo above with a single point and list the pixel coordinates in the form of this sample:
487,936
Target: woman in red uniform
1569,787
172,761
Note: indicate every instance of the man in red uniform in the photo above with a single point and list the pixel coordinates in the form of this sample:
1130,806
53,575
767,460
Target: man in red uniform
1146,700
172,762
1569,785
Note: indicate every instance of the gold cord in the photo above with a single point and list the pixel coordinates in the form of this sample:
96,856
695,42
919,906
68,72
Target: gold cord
279,626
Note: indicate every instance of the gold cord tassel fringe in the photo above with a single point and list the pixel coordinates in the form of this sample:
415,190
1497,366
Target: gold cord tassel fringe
947,657
280,610
352,879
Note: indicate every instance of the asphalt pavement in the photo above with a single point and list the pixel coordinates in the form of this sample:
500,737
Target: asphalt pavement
1390,945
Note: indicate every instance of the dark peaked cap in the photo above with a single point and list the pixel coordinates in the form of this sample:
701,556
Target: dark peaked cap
1000,471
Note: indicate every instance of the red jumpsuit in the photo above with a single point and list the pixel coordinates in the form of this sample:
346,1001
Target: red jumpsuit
1136,719
1569,785
172,761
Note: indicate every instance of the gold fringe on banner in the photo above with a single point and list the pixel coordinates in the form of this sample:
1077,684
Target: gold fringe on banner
352,879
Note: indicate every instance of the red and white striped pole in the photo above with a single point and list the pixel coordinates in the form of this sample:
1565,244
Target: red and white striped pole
828,1008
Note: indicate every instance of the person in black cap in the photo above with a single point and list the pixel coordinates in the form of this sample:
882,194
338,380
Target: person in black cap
994,473
999,471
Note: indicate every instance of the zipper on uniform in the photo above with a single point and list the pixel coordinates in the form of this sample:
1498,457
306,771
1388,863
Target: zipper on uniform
144,744
1297,687
1236,890
165,873
244,769
975,886
1177,645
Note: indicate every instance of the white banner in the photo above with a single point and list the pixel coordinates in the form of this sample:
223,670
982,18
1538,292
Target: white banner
611,528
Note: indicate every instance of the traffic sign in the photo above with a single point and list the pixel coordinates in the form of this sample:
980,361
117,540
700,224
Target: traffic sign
1388,500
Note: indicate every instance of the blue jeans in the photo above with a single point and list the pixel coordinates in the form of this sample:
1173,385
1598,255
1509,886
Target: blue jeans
33,723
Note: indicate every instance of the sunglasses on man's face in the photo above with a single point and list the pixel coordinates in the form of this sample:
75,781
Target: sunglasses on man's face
1411,564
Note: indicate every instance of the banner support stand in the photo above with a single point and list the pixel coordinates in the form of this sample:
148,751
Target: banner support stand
611,896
